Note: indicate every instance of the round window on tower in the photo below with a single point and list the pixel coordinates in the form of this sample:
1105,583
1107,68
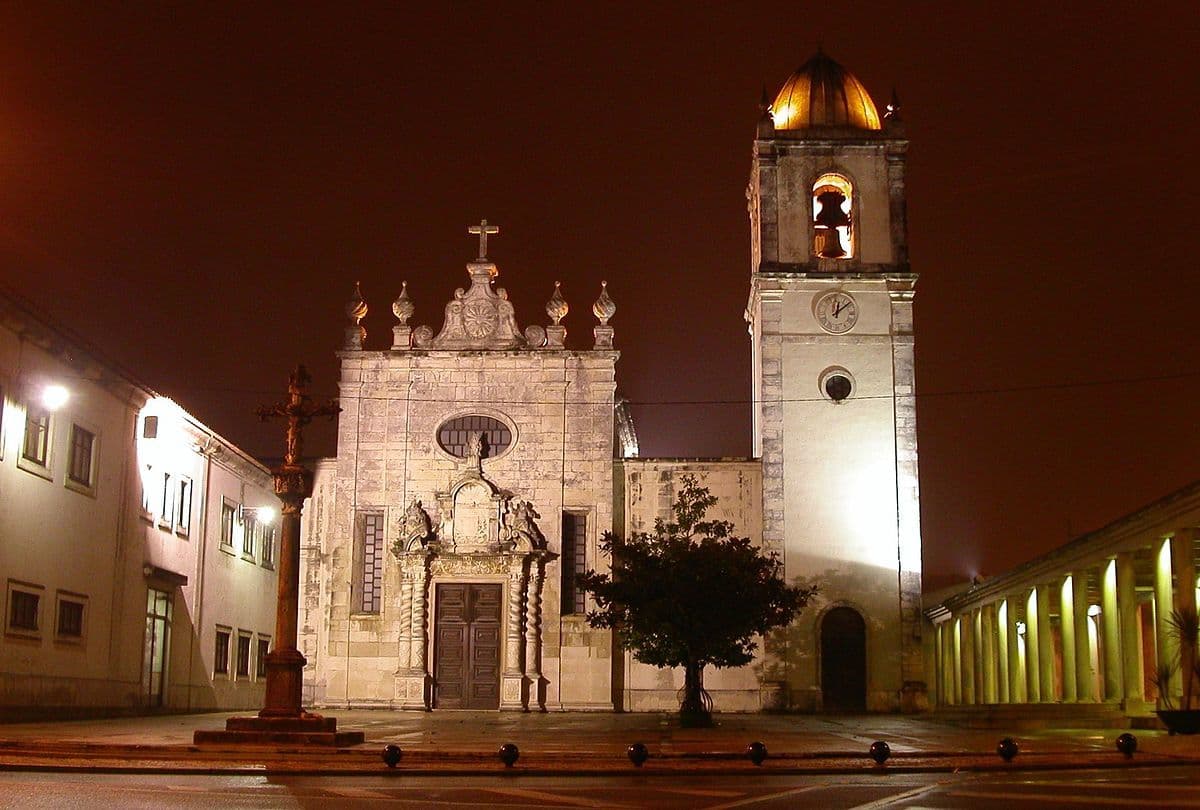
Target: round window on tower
836,384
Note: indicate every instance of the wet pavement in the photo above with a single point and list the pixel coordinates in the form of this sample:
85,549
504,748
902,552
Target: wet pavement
578,743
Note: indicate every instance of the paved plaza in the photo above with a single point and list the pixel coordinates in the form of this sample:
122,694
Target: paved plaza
466,742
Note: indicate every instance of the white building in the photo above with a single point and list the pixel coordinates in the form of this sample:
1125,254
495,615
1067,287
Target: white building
479,465
134,576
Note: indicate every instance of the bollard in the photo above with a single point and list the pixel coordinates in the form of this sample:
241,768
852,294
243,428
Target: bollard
1127,744
880,751
508,754
638,754
1007,749
391,755
756,752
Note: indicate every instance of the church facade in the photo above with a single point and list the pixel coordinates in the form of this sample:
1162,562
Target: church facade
479,465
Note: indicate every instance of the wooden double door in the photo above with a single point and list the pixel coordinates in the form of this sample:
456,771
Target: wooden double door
466,649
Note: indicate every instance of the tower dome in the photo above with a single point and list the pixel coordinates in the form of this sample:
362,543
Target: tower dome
822,93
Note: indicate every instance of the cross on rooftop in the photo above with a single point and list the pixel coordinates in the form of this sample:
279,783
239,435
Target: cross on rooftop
482,230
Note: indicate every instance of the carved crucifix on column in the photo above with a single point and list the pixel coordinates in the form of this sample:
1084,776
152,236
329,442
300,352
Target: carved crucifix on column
482,230
282,718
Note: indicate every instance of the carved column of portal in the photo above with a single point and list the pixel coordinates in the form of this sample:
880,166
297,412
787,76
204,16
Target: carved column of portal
416,679
404,645
512,682
533,634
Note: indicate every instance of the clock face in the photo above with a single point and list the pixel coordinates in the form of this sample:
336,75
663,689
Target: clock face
837,312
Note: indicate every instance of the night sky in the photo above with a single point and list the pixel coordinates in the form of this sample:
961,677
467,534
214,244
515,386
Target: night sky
197,192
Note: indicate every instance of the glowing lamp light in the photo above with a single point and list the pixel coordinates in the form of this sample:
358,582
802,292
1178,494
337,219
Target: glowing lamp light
1020,628
1093,610
262,514
55,396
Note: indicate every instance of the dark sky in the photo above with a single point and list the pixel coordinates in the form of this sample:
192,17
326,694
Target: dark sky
197,191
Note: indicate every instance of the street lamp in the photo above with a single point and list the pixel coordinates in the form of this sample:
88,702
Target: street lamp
54,396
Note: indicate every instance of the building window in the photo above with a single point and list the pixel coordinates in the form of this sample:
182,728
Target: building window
167,512
37,437
147,493
228,517
81,461
370,567
268,547
69,626
260,664
243,655
221,653
249,530
24,609
832,201
574,561
183,505
454,435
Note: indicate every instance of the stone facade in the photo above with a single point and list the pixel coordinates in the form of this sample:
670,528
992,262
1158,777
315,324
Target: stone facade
494,515
832,489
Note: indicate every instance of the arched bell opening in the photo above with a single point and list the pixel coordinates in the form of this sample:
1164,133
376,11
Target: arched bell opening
832,206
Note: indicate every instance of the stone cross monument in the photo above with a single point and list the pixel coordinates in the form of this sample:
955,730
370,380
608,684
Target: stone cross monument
282,718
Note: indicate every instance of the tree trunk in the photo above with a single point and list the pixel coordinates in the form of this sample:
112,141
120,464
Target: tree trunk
694,710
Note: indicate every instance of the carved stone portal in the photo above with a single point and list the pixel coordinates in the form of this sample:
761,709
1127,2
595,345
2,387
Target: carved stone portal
486,535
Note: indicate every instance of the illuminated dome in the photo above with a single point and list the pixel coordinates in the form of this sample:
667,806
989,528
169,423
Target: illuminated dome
822,93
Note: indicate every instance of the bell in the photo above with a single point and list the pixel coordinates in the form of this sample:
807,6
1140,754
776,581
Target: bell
829,244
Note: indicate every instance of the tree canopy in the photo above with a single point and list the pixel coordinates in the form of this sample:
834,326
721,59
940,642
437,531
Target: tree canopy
691,594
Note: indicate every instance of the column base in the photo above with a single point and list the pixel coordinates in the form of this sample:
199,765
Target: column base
513,694
306,729
414,691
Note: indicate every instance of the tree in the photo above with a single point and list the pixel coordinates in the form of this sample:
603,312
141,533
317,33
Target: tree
691,595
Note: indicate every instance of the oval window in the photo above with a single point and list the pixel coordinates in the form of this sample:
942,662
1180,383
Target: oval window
454,435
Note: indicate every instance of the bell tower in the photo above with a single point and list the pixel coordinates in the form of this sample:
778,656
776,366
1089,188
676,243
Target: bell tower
830,321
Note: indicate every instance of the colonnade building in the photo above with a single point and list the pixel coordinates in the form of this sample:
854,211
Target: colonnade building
1086,624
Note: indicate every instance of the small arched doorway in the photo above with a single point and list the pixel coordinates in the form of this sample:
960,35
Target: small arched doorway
843,661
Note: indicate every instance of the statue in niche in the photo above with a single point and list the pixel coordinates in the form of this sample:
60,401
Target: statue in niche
828,220
476,447
520,530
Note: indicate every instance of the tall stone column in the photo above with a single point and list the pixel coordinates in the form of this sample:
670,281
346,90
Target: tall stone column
403,655
1131,648
1085,675
1016,684
987,626
1001,629
533,634
1033,647
1164,639
512,680
282,718
1066,614
1110,625
417,680
1184,567
966,627
956,658
1046,679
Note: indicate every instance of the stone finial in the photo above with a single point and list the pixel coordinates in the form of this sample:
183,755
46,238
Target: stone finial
603,309
356,310
766,119
403,309
557,309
